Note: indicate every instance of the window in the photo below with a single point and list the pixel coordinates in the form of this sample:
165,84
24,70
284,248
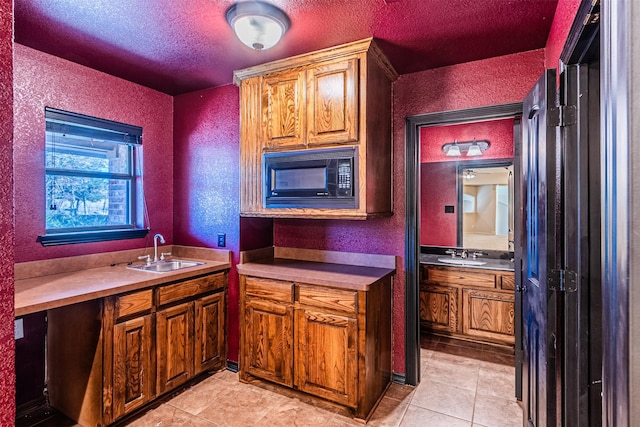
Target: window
91,179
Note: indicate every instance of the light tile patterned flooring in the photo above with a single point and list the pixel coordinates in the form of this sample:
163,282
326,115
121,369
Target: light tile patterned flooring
463,384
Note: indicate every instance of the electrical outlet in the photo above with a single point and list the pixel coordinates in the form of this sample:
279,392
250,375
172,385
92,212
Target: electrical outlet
19,329
222,240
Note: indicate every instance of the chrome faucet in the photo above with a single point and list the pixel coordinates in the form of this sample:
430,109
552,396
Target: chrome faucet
157,237
464,254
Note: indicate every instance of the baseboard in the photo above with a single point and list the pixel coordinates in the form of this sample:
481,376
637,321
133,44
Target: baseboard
399,378
232,366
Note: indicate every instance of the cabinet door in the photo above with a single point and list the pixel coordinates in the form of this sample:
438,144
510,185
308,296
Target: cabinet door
132,384
439,307
174,346
210,333
282,108
332,102
489,315
326,356
268,346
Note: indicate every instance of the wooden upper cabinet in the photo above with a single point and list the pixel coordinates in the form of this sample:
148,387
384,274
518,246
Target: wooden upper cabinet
332,102
340,96
283,96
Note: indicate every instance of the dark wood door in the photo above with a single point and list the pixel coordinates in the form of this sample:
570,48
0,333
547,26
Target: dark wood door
174,345
540,189
582,351
210,334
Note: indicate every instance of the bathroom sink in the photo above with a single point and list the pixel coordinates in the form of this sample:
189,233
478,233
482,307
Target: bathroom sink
165,266
461,261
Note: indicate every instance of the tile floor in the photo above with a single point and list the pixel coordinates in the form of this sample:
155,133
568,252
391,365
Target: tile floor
463,384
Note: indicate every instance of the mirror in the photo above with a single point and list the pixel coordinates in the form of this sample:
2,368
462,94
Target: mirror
485,198
443,221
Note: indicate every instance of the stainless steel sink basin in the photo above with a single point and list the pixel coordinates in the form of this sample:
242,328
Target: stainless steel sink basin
461,261
165,266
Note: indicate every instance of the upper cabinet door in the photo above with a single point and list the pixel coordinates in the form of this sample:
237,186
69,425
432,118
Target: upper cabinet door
332,102
282,106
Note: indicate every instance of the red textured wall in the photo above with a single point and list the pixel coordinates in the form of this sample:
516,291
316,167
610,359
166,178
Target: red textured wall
438,172
44,80
206,181
493,81
565,14
7,355
438,181
499,133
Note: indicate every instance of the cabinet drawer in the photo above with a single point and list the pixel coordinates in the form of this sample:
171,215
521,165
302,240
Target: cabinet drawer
136,302
461,277
331,299
275,290
190,288
507,282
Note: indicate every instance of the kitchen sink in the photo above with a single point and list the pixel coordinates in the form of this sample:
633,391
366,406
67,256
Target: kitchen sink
461,261
165,266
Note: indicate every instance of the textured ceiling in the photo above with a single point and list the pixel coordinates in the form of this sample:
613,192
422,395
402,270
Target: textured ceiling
177,46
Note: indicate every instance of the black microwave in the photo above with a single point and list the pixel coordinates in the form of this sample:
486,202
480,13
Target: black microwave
323,178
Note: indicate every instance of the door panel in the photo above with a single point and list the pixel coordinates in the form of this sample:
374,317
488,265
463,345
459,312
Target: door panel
269,341
132,385
174,344
332,93
326,356
582,364
540,188
210,334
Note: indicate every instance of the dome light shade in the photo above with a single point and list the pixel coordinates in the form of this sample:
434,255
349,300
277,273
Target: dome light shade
257,24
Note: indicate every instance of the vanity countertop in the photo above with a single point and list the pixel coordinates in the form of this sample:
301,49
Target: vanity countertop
491,263
48,291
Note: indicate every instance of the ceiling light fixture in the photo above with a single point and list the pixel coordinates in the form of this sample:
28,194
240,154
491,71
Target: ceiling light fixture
257,24
468,174
470,148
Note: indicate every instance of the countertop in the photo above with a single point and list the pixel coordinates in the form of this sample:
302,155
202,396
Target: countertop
345,276
56,290
491,263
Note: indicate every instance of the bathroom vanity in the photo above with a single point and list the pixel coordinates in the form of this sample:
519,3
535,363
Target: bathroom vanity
472,302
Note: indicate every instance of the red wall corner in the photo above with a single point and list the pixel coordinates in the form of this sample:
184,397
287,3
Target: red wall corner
7,342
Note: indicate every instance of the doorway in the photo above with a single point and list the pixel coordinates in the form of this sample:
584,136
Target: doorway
412,254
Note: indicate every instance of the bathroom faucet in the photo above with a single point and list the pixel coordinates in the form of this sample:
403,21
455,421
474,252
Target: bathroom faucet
464,254
157,237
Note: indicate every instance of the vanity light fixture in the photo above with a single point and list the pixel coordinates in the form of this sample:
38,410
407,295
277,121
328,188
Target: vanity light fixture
452,150
257,24
469,148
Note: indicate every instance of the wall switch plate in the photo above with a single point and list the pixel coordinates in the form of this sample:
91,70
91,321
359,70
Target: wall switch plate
19,328
222,240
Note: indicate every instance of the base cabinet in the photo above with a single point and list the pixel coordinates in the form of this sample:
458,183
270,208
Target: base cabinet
326,356
132,385
174,346
134,347
468,303
328,342
269,341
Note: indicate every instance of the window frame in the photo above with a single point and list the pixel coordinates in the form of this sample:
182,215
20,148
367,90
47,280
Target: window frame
74,123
